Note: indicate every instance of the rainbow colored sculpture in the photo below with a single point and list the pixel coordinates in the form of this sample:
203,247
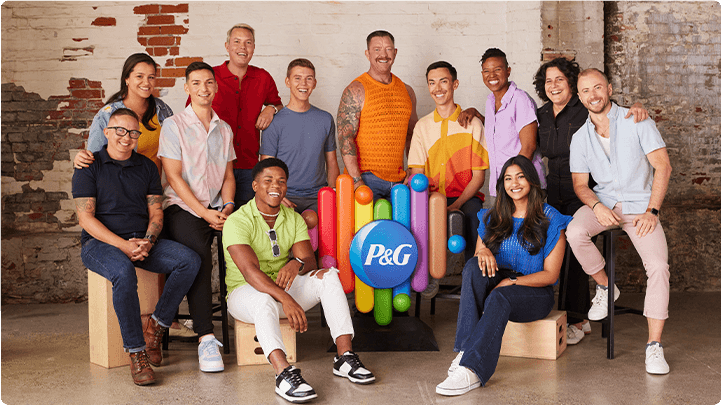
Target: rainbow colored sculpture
383,250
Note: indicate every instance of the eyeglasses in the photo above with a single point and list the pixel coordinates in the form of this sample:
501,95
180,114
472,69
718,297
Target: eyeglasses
274,243
122,131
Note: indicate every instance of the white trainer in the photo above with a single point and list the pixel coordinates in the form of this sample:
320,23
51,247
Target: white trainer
600,303
460,382
209,356
655,362
587,327
455,363
574,335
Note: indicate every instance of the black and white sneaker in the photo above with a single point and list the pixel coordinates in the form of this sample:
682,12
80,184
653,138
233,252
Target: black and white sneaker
291,386
349,366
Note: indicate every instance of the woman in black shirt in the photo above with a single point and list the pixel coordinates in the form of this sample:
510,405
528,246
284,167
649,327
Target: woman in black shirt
561,116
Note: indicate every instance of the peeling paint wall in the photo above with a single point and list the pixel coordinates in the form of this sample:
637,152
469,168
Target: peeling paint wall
667,56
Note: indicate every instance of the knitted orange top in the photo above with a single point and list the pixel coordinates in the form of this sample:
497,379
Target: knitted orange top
384,121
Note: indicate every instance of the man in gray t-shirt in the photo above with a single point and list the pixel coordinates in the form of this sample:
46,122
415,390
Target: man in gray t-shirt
304,137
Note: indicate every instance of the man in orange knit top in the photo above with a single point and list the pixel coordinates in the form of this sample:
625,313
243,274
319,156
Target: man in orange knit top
376,119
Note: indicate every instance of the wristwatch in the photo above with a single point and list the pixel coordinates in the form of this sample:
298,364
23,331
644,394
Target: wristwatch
151,238
513,280
302,265
653,211
356,179
275,108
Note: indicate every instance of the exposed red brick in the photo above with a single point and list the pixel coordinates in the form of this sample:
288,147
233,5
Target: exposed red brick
698,109
143,41
173,72
174,51
86,94
79,39
95,84
161,41
186,61
104,21
149,30
169,62
185,21
158,51
181,8
56,114
159,20
35,216
173,29
164,82
74,105
146,9
177,40
94,105
56,97
76,83
150,51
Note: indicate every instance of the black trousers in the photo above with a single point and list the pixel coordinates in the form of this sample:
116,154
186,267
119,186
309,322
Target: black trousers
471,223
195,233
561,196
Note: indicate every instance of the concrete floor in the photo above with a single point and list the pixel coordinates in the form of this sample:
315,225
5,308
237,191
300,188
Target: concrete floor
45,361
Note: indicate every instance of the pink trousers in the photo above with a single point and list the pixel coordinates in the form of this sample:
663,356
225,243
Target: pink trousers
652,248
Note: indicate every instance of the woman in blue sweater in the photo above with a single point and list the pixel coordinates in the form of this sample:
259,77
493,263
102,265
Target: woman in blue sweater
518,256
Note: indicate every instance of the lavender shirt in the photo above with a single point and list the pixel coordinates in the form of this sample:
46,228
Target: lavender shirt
204,156
502,132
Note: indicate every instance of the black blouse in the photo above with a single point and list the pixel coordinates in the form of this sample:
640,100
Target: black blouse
555,135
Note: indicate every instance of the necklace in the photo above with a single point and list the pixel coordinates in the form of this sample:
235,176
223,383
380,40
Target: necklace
270,215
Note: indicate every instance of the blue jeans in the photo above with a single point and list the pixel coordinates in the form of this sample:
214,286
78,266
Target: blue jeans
167,257
484,313
244,189
380,187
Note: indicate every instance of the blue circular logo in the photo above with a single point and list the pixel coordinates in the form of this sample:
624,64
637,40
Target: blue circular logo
383,254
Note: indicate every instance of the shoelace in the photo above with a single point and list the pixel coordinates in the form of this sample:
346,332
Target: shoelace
656,352
353,360
142,361
294,377
207,346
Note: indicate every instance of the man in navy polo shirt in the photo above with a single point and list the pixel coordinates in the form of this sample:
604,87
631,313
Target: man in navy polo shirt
118,201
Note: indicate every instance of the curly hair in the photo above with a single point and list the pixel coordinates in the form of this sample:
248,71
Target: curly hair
570,69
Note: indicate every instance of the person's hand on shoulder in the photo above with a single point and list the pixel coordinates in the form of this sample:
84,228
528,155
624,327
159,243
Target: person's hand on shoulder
83,159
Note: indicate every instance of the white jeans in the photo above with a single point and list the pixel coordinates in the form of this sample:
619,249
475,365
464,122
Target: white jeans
251,306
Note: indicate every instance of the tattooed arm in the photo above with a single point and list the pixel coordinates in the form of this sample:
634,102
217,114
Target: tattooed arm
155,224
85,207
347,123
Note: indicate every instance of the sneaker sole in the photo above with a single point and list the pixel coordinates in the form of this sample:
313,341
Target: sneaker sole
213,369
456,392
295,400
354,380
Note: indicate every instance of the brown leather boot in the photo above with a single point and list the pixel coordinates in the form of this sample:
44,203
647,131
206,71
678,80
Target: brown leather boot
153,334
140,369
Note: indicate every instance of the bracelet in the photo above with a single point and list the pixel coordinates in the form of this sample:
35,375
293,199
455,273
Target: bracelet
226,204
595,204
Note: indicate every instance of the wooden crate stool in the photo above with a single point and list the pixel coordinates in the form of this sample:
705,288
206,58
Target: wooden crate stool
249,351
106,343
543,339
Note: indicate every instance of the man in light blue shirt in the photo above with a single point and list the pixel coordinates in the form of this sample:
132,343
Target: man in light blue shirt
630,164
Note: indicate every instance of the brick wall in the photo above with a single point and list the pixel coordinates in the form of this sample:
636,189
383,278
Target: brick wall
667,56
573,29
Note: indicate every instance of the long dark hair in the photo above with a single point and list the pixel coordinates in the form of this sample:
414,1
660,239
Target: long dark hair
127,69
570,69
499,219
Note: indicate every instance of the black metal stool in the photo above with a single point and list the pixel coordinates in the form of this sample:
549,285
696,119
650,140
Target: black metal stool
221,306
608,322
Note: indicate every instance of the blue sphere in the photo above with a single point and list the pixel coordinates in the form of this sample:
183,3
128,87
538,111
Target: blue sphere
457,244
419,182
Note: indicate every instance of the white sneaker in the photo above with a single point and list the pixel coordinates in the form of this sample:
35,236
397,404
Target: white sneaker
574,335
291,386
600,303
460,382
209,356
655,362
455,363
587,327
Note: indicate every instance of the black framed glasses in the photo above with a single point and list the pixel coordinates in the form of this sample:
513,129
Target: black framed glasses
122,131
274,243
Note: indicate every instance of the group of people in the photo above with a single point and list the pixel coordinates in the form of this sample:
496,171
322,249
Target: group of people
208,156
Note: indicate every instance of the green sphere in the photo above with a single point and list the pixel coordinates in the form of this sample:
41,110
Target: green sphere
402,302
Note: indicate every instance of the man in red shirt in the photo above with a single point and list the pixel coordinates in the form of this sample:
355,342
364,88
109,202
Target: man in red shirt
243,91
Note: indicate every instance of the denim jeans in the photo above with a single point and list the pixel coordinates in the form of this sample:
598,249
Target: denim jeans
166,257
244,190
484,313
380,187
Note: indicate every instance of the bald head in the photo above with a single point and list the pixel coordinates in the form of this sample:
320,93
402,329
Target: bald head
594,71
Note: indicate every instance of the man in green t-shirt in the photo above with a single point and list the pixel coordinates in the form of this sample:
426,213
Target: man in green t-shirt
266,284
